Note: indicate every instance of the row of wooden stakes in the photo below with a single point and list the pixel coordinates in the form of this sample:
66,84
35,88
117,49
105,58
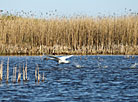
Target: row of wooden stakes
37,74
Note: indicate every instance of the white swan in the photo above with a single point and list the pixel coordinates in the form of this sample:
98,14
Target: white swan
134,65
60,60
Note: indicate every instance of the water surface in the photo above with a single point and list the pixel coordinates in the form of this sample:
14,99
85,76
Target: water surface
85,79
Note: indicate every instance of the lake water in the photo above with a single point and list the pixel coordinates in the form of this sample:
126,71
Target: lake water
85,79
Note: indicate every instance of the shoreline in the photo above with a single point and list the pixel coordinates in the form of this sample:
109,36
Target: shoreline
74,55
67,55
15,50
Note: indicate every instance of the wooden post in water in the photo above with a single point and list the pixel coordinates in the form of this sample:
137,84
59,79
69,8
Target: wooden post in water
7,78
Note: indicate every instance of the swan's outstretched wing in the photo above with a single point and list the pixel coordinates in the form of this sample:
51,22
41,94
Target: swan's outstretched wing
48,58
54,57
65,57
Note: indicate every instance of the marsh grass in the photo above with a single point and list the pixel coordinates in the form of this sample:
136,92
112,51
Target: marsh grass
74,35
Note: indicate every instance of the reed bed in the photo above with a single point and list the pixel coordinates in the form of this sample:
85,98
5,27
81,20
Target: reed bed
74,35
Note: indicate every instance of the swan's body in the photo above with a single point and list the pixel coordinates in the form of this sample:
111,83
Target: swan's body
60,60
134,65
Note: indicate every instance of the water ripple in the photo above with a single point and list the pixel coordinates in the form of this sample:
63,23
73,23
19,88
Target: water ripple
87,78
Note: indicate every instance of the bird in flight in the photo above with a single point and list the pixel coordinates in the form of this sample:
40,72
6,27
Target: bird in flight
60,60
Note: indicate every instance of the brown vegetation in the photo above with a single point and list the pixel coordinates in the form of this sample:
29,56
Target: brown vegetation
19,75
76,35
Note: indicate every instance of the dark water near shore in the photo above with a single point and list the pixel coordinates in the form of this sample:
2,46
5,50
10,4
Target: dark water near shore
85,79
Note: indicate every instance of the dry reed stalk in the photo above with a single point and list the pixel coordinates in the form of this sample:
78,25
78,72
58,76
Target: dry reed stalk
38,75
26,72
1,71
43,78
35,74
7,78
23,74
14,74
19,75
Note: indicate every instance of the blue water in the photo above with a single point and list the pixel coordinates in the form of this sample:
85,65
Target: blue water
85,79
